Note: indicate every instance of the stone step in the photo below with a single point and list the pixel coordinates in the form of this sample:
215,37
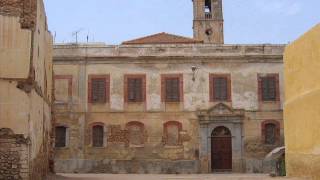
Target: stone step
169,177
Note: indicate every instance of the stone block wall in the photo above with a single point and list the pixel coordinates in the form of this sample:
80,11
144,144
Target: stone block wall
25,9
25,90
13,156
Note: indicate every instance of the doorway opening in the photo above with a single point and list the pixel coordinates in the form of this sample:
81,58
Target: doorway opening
221,150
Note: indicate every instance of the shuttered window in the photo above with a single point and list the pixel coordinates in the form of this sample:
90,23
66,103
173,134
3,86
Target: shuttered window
60,136
270,136
269,88
97,136
98,90
220,88
172,89
135,89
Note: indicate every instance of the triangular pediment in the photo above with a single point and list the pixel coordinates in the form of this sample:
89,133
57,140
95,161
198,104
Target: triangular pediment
220,109
162,38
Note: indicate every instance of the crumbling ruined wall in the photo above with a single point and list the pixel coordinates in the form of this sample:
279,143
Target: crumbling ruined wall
25,9
13,156
25,87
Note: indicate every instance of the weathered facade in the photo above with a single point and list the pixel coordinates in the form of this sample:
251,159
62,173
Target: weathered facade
25,90
168,104
302,105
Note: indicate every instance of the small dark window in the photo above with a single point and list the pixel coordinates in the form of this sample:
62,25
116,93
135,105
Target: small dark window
270,136
98,90
207,6
135,90
172,89
269,88
60,136
97,136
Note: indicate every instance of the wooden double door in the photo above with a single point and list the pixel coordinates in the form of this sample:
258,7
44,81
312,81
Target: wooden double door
221,150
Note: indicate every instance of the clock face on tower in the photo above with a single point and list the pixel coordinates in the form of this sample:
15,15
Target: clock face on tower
209,31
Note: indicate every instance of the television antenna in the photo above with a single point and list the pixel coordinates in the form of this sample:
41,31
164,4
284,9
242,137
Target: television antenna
76,33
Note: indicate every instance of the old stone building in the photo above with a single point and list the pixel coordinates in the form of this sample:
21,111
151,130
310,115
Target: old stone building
168,104
25,90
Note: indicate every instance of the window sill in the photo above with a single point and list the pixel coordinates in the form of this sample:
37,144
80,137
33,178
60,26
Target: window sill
218,100
173,146
270,102
60,103
135,102
61,148
102,103
136,146
173,102
97,147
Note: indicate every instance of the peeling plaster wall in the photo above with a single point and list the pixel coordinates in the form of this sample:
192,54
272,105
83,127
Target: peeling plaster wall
243,62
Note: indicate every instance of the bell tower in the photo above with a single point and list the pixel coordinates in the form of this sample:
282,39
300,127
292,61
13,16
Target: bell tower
208,21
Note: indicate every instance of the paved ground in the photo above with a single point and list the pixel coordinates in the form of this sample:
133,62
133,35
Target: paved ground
165,177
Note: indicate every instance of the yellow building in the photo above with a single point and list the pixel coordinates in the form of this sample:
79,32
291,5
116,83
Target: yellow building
302,107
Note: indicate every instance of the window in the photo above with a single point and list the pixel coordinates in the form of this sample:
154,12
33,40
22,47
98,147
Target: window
172,88
136,133
60,136
207,6
220,87
172,131
269,88
270,132
63,88
98,88
97,136
135,88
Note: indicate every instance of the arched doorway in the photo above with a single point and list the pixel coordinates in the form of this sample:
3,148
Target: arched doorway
221,149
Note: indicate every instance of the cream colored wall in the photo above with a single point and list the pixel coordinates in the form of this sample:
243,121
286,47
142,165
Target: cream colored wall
78,114
40,111
15,46
196,94
302,114
26,113
14,115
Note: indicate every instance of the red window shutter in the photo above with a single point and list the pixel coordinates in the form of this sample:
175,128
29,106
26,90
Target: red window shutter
172,89
269,92
98,90
220,87
135,90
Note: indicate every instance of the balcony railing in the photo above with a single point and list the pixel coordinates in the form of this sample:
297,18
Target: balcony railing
208,15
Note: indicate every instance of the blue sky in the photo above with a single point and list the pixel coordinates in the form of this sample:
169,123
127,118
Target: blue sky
114,21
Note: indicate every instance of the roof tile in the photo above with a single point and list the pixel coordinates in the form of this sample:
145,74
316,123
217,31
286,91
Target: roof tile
162,38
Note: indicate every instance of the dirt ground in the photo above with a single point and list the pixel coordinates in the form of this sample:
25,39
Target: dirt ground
166,177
